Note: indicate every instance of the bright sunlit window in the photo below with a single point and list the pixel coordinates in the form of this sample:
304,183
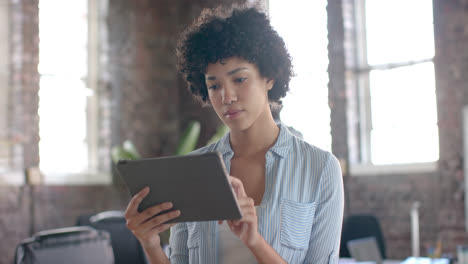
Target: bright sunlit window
403,114
303,26
63,33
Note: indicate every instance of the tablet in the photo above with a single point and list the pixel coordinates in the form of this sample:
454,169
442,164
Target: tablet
197,185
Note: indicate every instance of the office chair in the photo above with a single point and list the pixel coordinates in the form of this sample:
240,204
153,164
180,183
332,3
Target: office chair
360,226
126,247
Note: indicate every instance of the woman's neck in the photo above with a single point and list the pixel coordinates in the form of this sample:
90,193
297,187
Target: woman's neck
259,137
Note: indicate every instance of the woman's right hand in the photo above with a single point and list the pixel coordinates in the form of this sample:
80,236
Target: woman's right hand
145,230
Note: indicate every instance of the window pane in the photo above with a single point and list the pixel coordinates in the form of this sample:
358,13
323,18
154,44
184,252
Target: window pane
399,30
306,106
404,115
62,111
63,37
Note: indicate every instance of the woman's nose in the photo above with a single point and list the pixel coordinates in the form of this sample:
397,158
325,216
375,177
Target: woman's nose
229,95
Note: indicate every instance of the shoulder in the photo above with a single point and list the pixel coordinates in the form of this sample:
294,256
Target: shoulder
314,159
307,152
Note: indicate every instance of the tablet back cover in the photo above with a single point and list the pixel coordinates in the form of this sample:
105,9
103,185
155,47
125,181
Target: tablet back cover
197,185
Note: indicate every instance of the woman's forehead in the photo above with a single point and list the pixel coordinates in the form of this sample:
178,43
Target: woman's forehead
228,66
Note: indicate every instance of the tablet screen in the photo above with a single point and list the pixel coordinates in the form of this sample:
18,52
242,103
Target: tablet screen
197,185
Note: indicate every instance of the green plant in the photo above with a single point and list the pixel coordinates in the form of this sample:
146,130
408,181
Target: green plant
189,139
125,151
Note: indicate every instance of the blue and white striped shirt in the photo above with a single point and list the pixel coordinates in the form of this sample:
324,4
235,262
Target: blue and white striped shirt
300,215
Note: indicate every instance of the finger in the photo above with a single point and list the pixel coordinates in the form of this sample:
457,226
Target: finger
142,217
163,227
246,202
246,208
132,208
248,218
238,186
234,224
159,220
156,222
247,212
230,224
157,230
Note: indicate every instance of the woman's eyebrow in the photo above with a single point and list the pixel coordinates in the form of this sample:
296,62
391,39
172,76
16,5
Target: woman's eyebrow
212,78
236,70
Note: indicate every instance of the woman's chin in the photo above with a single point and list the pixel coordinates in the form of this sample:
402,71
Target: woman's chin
235,125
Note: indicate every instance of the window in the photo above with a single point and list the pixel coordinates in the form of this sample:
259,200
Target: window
67,102
397,103
306,106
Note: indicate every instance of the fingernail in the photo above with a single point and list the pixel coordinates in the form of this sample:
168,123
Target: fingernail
168,205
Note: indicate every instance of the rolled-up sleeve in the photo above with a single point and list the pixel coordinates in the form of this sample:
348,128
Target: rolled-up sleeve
178,252
324,243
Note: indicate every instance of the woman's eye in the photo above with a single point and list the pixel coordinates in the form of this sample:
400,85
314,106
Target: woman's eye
213,87
240,80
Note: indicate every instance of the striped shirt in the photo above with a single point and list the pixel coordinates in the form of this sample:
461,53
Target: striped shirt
300,215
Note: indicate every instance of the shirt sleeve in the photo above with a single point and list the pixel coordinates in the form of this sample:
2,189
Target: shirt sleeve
178,251
325,235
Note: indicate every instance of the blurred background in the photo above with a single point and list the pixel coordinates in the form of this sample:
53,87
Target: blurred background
381,84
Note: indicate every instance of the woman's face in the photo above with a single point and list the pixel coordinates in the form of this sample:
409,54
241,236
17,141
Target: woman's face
237,92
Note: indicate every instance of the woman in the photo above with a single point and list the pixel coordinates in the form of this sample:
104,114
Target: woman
290,193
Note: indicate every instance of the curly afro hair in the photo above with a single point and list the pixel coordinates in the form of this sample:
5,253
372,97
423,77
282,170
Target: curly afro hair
222,33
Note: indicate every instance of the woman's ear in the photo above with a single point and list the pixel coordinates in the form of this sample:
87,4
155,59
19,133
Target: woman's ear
270,84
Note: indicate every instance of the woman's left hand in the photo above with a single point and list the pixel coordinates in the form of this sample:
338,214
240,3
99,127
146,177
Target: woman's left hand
246,228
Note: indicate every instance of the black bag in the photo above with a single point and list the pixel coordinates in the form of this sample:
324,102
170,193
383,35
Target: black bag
71,245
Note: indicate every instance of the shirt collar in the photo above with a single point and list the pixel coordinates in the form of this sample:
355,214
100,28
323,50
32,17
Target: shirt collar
224,146
281,146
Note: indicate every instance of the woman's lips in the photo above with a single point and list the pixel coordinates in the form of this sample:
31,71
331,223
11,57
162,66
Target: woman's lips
231,114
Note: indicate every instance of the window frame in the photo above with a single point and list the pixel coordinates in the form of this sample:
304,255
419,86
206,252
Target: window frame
362,71
12,171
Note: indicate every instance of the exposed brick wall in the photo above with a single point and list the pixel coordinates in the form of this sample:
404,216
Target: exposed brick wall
389,197
14,219
451,68
337,84
23,119
141,60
